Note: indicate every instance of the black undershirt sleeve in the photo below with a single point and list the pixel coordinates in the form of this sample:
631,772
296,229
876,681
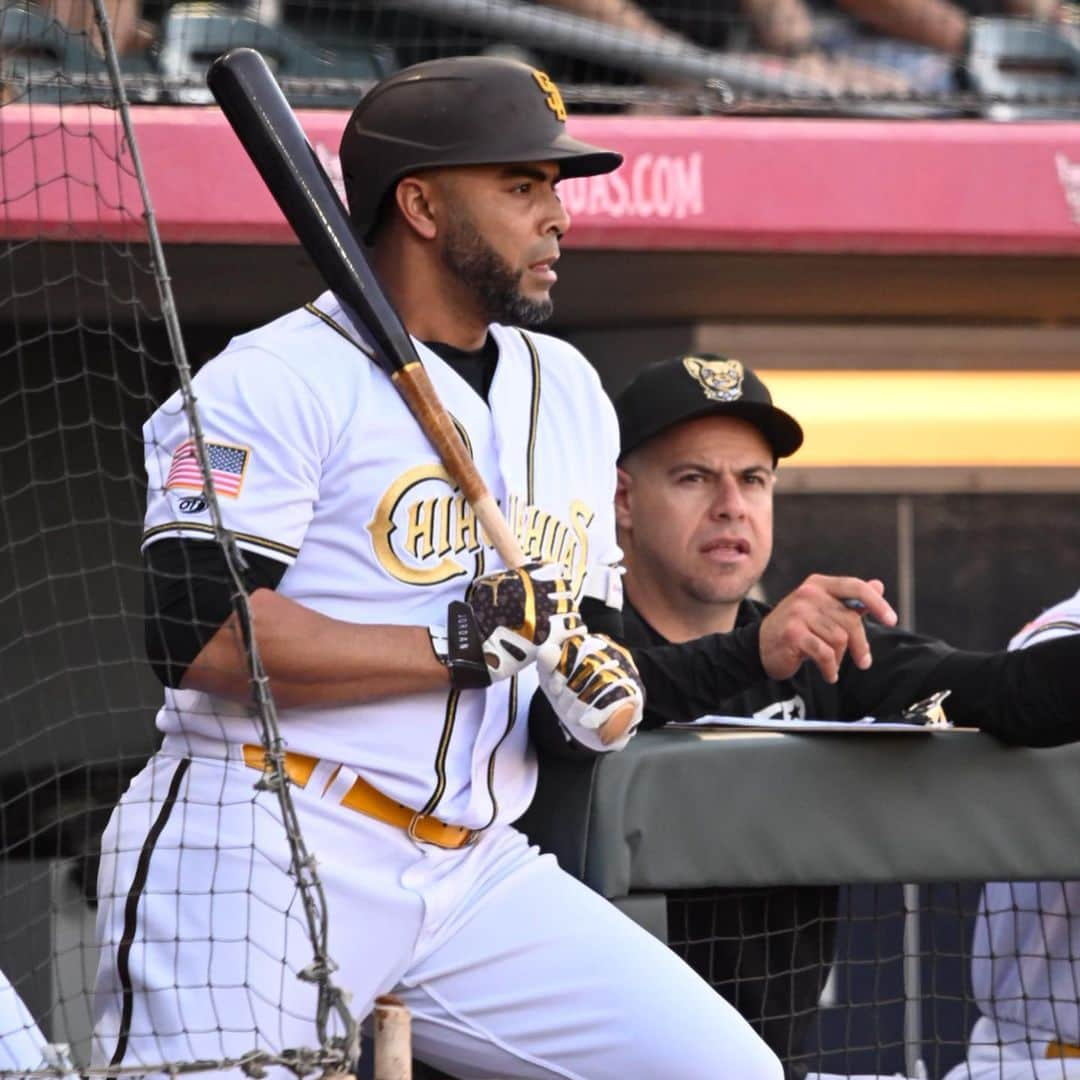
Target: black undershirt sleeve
188,594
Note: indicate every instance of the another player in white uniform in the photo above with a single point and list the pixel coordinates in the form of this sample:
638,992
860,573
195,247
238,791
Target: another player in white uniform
1025,965
408,772
22,1046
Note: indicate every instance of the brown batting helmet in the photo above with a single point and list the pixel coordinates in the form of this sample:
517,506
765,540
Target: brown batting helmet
466,110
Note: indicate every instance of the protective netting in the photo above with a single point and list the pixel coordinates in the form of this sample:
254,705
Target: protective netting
956,981
90,346
81,358
86,355
1001,58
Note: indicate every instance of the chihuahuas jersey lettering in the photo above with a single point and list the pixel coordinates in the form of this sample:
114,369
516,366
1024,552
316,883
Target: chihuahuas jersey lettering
342,487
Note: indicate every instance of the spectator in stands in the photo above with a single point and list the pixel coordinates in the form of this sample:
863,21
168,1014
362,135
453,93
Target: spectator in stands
780,38
940,24
879,47
1025,965
129,32
700,442
922,41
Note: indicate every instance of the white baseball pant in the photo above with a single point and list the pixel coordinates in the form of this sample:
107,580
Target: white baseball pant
998,1050
510,967
22,1046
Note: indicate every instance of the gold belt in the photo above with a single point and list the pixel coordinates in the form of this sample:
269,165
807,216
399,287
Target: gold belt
365,799
1062,1050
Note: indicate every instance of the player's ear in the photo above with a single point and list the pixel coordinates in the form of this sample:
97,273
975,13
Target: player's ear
623,483
413,198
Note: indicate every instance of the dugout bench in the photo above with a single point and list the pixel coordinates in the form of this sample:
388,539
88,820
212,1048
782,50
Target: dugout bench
688,809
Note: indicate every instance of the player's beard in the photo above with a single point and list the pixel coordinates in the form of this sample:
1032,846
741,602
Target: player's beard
490,278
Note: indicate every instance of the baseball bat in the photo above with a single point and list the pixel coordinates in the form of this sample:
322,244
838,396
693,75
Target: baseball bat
271,135
264,123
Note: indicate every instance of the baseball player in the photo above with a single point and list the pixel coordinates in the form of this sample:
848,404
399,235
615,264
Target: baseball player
22,1046
406,744
1025,965
701,439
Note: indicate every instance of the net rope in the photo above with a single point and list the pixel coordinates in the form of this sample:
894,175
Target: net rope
44,808
331,1054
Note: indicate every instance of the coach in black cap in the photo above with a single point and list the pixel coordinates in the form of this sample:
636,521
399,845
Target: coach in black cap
701,438
688,387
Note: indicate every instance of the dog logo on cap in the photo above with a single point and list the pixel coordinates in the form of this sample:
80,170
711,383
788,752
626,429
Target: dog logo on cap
721,379
552,97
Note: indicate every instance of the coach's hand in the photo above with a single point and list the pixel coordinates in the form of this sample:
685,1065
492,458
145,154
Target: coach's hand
820,621
594,687
517,611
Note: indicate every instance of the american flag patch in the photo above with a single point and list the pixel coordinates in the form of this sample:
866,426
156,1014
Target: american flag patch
227,465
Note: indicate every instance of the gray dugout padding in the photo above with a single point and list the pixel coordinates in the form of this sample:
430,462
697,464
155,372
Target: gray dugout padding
684,809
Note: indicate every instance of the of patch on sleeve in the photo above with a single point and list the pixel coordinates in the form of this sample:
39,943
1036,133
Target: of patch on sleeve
227,467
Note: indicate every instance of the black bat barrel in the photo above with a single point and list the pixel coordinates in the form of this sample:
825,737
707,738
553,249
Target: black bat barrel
265,124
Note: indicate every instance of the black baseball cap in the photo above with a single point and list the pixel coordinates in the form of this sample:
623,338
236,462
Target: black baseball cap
461,110
673,391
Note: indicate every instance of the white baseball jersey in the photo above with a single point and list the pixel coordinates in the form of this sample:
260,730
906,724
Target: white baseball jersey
22,1046
1025,966
1026,952
318,463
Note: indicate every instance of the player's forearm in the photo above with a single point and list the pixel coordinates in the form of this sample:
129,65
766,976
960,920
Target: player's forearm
312,659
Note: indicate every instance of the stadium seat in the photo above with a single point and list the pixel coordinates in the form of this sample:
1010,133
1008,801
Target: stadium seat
194,34
1026,70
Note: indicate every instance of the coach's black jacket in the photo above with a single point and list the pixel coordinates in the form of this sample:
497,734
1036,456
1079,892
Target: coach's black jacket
1027,697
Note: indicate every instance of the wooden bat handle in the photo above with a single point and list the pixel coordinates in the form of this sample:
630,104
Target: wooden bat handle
614,727
414,385
393,1039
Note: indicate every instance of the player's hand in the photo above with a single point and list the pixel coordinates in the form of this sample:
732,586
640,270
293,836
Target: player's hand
594,687
814,623
517,611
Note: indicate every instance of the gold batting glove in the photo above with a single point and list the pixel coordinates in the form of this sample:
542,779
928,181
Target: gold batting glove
517,611
587,678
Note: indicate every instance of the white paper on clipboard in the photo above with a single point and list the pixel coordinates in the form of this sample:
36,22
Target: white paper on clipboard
868,725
